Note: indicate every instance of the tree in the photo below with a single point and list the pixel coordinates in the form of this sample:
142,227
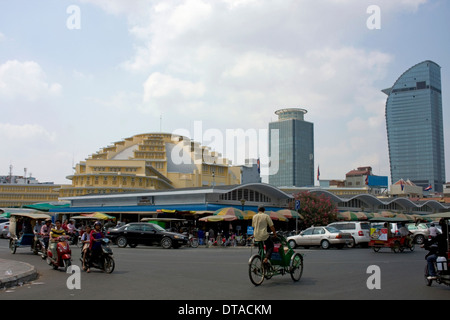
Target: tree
316,209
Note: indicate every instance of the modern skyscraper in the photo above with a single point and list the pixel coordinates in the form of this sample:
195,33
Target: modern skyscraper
415,126
296,149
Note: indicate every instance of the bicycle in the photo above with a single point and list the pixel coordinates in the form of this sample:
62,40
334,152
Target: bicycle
284,260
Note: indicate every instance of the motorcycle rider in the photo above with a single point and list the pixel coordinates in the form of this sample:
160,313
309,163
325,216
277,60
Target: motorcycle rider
45,232
85,240
72,232
437,247
95,246
404,232
55,233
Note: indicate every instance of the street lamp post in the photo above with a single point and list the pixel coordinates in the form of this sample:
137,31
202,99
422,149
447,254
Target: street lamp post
243,203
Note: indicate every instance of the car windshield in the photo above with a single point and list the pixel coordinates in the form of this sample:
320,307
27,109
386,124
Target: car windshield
332,229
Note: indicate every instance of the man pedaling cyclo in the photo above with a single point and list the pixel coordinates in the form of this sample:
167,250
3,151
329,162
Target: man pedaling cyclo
260,222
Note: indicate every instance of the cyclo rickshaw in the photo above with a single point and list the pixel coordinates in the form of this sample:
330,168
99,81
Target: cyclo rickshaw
381,235
27,237
284,260
441,265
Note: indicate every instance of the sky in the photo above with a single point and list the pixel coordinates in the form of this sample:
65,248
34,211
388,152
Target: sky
79,75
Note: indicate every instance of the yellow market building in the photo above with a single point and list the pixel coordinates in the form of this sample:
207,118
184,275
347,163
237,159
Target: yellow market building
151,161
19,195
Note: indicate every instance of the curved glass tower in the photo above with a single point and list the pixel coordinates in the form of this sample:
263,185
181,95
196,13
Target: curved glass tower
415,127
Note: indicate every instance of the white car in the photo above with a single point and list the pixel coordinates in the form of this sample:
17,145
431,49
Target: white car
359,230
320,236
4,229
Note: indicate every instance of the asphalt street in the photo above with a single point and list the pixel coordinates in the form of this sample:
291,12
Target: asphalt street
154,273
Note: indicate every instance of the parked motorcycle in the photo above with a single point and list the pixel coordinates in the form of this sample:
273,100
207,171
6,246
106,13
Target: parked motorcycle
104,261
63,254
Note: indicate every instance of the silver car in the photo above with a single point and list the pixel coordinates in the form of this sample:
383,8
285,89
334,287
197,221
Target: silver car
4,229
420,232
320,236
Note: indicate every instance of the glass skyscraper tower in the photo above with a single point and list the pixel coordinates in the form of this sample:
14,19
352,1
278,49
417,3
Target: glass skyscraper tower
296,149
415,127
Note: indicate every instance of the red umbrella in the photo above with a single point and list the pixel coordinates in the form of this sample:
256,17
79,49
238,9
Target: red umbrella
276,216
290,214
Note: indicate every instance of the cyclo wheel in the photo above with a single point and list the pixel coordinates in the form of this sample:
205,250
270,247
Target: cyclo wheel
296,266
256,270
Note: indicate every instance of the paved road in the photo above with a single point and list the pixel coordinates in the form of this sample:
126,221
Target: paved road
222,274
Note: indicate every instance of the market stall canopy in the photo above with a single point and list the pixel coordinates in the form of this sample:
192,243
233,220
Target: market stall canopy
440,215
175,211
217,218
290,214
99,215
230,211
351,216
82,218
276,216
248,214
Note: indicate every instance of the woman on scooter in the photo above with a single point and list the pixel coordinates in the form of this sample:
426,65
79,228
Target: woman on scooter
95,246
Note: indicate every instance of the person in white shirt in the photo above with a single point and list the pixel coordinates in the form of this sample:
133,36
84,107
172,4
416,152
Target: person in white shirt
433,230
260,222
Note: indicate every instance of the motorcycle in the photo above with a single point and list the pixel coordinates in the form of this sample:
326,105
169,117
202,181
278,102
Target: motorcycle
104,261
41,248
63,254
440,266
74,238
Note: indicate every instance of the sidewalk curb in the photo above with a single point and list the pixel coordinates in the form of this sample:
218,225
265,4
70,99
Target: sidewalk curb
15,273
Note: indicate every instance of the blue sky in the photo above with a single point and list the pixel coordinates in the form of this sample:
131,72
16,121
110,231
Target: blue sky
66,93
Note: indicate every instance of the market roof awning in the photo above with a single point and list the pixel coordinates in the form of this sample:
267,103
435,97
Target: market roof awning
47,206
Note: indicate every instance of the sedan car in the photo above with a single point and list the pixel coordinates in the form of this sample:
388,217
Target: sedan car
420,232
4,229
145,233
320,236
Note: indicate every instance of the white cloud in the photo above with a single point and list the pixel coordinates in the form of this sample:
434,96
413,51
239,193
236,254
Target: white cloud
25,80
159,85
13,134
232,63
